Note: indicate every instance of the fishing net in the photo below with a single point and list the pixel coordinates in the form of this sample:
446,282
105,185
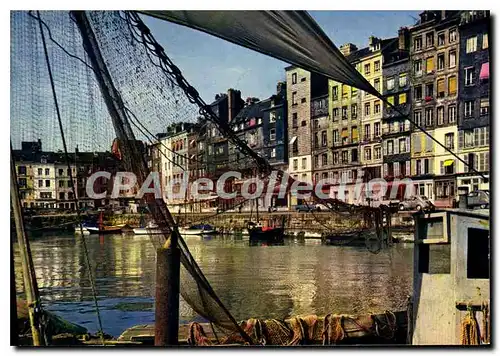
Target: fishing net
116,82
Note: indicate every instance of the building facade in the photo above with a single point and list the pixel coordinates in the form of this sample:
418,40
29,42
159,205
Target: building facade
474,101
434,56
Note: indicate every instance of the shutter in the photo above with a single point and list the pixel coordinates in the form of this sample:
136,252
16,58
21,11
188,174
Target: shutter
396,147
466,166
487,161
396,169
441,165
385,147
430,64
355,133
408,169
412,167
460,139
440,86
481,136
476,161
452,85
429,144
487,136
476,137
385,169
481,162
408,147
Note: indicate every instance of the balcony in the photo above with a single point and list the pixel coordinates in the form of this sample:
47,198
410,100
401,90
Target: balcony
428,99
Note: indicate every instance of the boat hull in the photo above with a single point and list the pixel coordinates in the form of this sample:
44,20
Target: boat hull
273,236
149,231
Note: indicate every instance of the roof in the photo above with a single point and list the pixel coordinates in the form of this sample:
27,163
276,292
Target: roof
252,111
364,52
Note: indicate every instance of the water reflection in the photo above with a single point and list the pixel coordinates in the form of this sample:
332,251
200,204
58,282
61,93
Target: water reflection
253,281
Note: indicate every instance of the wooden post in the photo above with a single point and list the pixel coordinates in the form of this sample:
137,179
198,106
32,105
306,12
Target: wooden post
167,296
30,286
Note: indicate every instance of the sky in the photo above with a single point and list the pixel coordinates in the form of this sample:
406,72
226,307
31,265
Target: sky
213,65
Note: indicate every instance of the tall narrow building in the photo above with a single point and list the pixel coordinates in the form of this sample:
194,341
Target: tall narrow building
301,86
434,60
474,100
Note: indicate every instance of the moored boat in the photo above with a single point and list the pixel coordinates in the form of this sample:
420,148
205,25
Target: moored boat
202,229
150,229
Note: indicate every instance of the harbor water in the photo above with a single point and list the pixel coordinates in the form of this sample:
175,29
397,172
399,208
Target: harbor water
252,281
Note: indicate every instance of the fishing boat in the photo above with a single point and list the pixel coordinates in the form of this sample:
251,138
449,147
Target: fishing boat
99,228
150,229
202,229
267,233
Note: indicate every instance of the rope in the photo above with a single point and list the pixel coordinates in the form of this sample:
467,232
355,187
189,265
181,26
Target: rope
485,337
386,329
75,198
469,329
333,329
197,336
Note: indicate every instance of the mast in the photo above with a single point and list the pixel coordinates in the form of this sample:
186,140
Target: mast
29,278
168,257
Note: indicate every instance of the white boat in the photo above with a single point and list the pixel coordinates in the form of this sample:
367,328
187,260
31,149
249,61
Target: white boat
82,231
197,230
150,229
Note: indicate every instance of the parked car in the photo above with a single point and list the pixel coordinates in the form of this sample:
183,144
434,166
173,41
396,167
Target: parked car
418,202
478,198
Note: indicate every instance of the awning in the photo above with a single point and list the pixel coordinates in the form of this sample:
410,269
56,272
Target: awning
485,71
292,141
291,36
449,162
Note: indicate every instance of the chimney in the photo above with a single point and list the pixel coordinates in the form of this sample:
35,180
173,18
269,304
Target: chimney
233,102
404,38
348,48
374,43
281,88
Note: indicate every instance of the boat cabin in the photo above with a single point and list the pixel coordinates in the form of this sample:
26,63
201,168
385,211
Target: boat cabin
451,275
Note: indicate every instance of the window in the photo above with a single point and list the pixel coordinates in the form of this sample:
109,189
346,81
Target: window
47,183
272,116
418,168
429,65
323,138
485,40
402,98
440,115
452,85
376,129
376,84
390,147
429,119
344,113
345,136
469,108
449,140
368,154
303,79
303,100
441,39
40,183
478,253
390,100
471,45
335,114
295,164
376,107
354,134
354,92
417,43
324,159
377,151
429,39
377,66
469,76
61,172
47,171
272,134
61,184
316,141
402,80
304,163
316,161
367,134
345,91
429,91
367,69
62,196
453,35
294,78
40,171
294,98
418,92
367,109
452,61
345,157
417,67
22,183
402,145
390,83
354,111
354,155
484,106
440,61
335,158
335,136
21,170
294,119
452,114
335,93
440,88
